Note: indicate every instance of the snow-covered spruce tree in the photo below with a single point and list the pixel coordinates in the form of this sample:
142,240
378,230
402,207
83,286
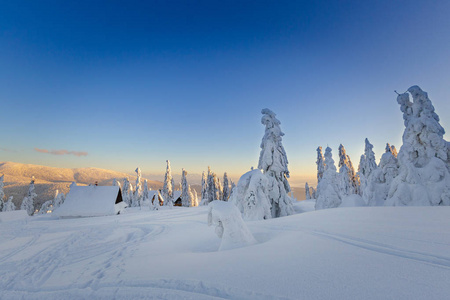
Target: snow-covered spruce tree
424,177
212,192
137,196
46,207
28,200
9,205
219,188
251,196
204,186
273,162
127,191
145,191
167,191
328,196
380,180
313,193
191,196
320,164
58,200
394,150
155,204
2,193
347,177
307,193
185,199
195,198
226,187
367,165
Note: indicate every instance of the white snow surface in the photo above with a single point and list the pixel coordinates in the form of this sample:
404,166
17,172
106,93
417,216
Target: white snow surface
345,253
89,201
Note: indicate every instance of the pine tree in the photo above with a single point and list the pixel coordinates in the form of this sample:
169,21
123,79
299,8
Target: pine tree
145,191
307,193
127,192
204,186
137,196
424,157
167,191
327,190
273,162
348,183
380,180
185,197
226,187
320,164
212,192
367,165
219,188
28,201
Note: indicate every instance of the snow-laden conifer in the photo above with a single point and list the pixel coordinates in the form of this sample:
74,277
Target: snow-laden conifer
424,177
307,192
348,184
212,192
137,195
2,193
273,162
195,198
145,191
313,193
394,151
46,207
251,196
327,190
28,200
320,164
58,200
9,205
185,197
380,180
219,188
367,165
167,191
204,186
226,187
127,192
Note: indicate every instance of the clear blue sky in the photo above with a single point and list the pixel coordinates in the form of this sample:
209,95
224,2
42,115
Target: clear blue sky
133,83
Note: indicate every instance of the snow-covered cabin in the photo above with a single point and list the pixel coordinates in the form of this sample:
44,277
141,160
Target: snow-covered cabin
91,201
153,194
177,198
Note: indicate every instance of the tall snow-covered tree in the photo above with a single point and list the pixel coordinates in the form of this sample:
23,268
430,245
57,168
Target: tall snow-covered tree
273,162
195,198
28,200
167,191
127,192
219,188
251,196
9,205
145,191
320,164
380,180
204,186
307,192
212,192
226,187
348,181
313,193
367,165
191,196
137,196
424,157
58,200
2,194
185,197
327,190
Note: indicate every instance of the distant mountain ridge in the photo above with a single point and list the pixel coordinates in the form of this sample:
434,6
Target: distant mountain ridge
50,179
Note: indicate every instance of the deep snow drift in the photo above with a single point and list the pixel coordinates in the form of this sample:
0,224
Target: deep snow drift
342,253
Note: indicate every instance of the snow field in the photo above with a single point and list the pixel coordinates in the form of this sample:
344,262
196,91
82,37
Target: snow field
344,253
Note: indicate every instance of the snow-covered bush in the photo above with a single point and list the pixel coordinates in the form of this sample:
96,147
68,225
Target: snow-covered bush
46,207
251,196
327,190
229,225
273,162
424,177
9,205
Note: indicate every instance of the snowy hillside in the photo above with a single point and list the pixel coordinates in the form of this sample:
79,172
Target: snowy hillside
50,179
343,253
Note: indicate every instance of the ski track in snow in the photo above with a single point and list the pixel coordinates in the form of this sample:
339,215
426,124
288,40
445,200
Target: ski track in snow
440,261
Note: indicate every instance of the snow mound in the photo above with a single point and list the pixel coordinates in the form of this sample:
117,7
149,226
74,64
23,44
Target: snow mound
352,201
229,225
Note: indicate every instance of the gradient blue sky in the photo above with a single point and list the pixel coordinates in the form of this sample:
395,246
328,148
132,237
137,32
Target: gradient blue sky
135,83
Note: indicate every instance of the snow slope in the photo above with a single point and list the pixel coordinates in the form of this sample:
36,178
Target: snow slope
342,253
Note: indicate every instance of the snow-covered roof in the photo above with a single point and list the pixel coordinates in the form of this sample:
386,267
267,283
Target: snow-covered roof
176,195
89,201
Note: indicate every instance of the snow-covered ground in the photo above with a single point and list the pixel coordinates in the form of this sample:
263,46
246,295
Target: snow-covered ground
342,253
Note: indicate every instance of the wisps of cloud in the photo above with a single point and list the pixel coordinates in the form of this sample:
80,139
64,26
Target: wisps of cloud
62,152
